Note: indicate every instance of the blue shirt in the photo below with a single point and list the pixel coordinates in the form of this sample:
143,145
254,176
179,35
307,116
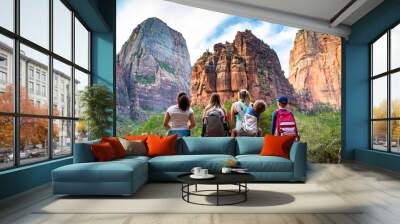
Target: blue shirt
252,112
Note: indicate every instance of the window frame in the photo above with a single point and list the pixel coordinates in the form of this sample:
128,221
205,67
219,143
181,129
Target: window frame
388,74
16,114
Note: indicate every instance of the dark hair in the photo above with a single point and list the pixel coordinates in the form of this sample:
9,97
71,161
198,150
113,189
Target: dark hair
243,94
183,102
181,94
259,106
283,104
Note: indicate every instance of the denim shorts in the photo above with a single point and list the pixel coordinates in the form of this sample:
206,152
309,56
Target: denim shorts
180,133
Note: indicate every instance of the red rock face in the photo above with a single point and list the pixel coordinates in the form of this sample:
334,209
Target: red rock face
247,63
315,69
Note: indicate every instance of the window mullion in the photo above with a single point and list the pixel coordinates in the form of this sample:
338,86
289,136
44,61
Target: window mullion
73,81
18,74
50,81
389,106
16,70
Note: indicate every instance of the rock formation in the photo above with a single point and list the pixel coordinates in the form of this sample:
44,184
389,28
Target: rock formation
315,69
246,63
152,67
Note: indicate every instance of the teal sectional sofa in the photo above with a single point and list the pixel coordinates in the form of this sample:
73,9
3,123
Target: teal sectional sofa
125,176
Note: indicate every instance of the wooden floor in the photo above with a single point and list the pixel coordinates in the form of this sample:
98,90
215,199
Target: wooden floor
377,188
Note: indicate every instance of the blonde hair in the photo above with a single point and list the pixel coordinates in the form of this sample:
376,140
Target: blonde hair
215,101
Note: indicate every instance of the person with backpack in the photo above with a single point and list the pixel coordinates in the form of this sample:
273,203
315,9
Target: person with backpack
214,118
283,121
250,125
179,118
239,108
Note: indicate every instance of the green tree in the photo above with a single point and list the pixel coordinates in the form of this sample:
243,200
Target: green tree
97,102
266,120
322,133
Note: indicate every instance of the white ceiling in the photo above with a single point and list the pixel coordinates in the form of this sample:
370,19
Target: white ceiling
317,15
321,9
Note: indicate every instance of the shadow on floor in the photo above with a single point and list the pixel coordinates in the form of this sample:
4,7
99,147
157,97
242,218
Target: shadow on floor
256,198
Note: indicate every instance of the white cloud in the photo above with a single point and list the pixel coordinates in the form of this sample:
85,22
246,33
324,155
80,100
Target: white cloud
197,25
281,42
193,23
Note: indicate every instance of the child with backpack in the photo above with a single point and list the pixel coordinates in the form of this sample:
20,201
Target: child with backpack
214,118
250,123
283,121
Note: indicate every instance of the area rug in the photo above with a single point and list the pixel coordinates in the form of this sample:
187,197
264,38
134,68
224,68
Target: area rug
166,198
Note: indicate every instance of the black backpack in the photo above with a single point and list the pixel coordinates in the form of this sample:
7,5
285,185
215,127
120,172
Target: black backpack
214,124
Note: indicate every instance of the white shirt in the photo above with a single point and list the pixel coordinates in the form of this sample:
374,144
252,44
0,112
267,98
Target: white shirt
179,119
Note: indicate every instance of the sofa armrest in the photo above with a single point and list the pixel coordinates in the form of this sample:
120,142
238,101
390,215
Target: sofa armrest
83,152
298,155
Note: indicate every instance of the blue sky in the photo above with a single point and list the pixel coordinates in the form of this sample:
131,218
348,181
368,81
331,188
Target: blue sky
202,28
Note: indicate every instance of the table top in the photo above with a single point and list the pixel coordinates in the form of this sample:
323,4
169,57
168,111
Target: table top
220,178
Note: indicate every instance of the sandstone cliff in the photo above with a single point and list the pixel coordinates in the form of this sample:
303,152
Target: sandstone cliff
315,69
152,67
247,63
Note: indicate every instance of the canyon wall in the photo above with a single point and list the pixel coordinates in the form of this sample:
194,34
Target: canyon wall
246,63
315,69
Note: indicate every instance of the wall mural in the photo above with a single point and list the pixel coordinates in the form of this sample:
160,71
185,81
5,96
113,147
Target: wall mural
166,48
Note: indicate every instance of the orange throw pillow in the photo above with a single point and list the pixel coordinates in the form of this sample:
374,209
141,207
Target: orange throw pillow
161,145
277,145
103,152
116,145
136,137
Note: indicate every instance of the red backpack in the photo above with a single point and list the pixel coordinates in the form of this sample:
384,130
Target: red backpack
285,123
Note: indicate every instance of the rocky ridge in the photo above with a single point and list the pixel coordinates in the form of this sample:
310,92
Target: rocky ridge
246,63
153,65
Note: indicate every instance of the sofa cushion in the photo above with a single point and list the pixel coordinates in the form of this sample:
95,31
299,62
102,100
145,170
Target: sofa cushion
277,145
83,152
136,137
103,152
161,145
249,145
132,158
136,147
208,145
185,163
257,163
116,145
112,171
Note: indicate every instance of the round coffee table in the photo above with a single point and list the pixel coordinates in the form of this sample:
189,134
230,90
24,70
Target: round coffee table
238,179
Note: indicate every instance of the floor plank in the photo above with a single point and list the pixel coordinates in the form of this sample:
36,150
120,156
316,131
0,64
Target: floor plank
376,189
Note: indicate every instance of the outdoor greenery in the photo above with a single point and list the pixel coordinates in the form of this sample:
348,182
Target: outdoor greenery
266,120
379,128
320,128
33,131
145,79
166,67
153,125
97,103
322,133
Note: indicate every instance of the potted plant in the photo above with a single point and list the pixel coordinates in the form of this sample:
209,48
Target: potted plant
97,103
